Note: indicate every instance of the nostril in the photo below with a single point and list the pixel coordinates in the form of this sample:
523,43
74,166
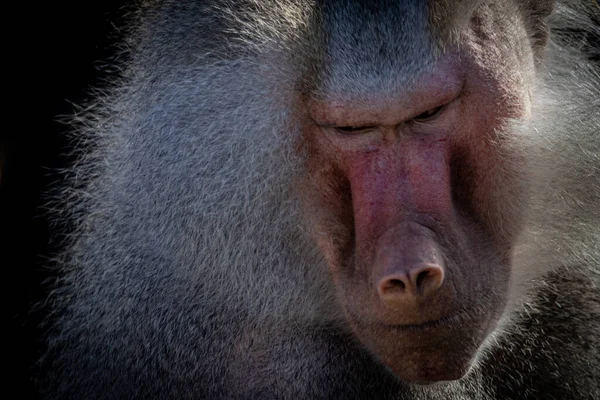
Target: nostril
427,279
394,288
421,277
393,285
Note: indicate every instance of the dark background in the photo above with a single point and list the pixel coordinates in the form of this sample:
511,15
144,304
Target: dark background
68,51
55,53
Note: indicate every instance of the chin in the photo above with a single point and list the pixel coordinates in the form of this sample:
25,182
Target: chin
433,353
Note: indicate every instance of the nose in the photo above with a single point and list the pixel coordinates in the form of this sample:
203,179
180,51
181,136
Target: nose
409,267
419,281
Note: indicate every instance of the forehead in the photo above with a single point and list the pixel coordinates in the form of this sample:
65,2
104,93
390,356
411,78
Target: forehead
372,46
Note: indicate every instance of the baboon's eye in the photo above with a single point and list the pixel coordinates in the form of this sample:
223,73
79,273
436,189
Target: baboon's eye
429,114
354,129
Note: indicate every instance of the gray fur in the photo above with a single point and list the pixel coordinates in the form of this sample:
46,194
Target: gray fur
191,274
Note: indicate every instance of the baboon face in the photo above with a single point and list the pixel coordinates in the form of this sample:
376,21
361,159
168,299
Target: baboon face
415,193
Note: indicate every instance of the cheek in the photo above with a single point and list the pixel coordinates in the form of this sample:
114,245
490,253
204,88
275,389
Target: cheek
491,177
487,170
326,198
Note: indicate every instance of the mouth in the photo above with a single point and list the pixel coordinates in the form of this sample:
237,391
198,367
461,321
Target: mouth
467,315
459,317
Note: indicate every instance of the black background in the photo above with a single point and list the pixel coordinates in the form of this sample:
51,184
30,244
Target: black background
54,53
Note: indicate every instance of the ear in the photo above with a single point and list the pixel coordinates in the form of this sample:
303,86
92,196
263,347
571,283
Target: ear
448,17
536,14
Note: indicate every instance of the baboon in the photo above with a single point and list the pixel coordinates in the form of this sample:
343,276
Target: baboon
345,199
